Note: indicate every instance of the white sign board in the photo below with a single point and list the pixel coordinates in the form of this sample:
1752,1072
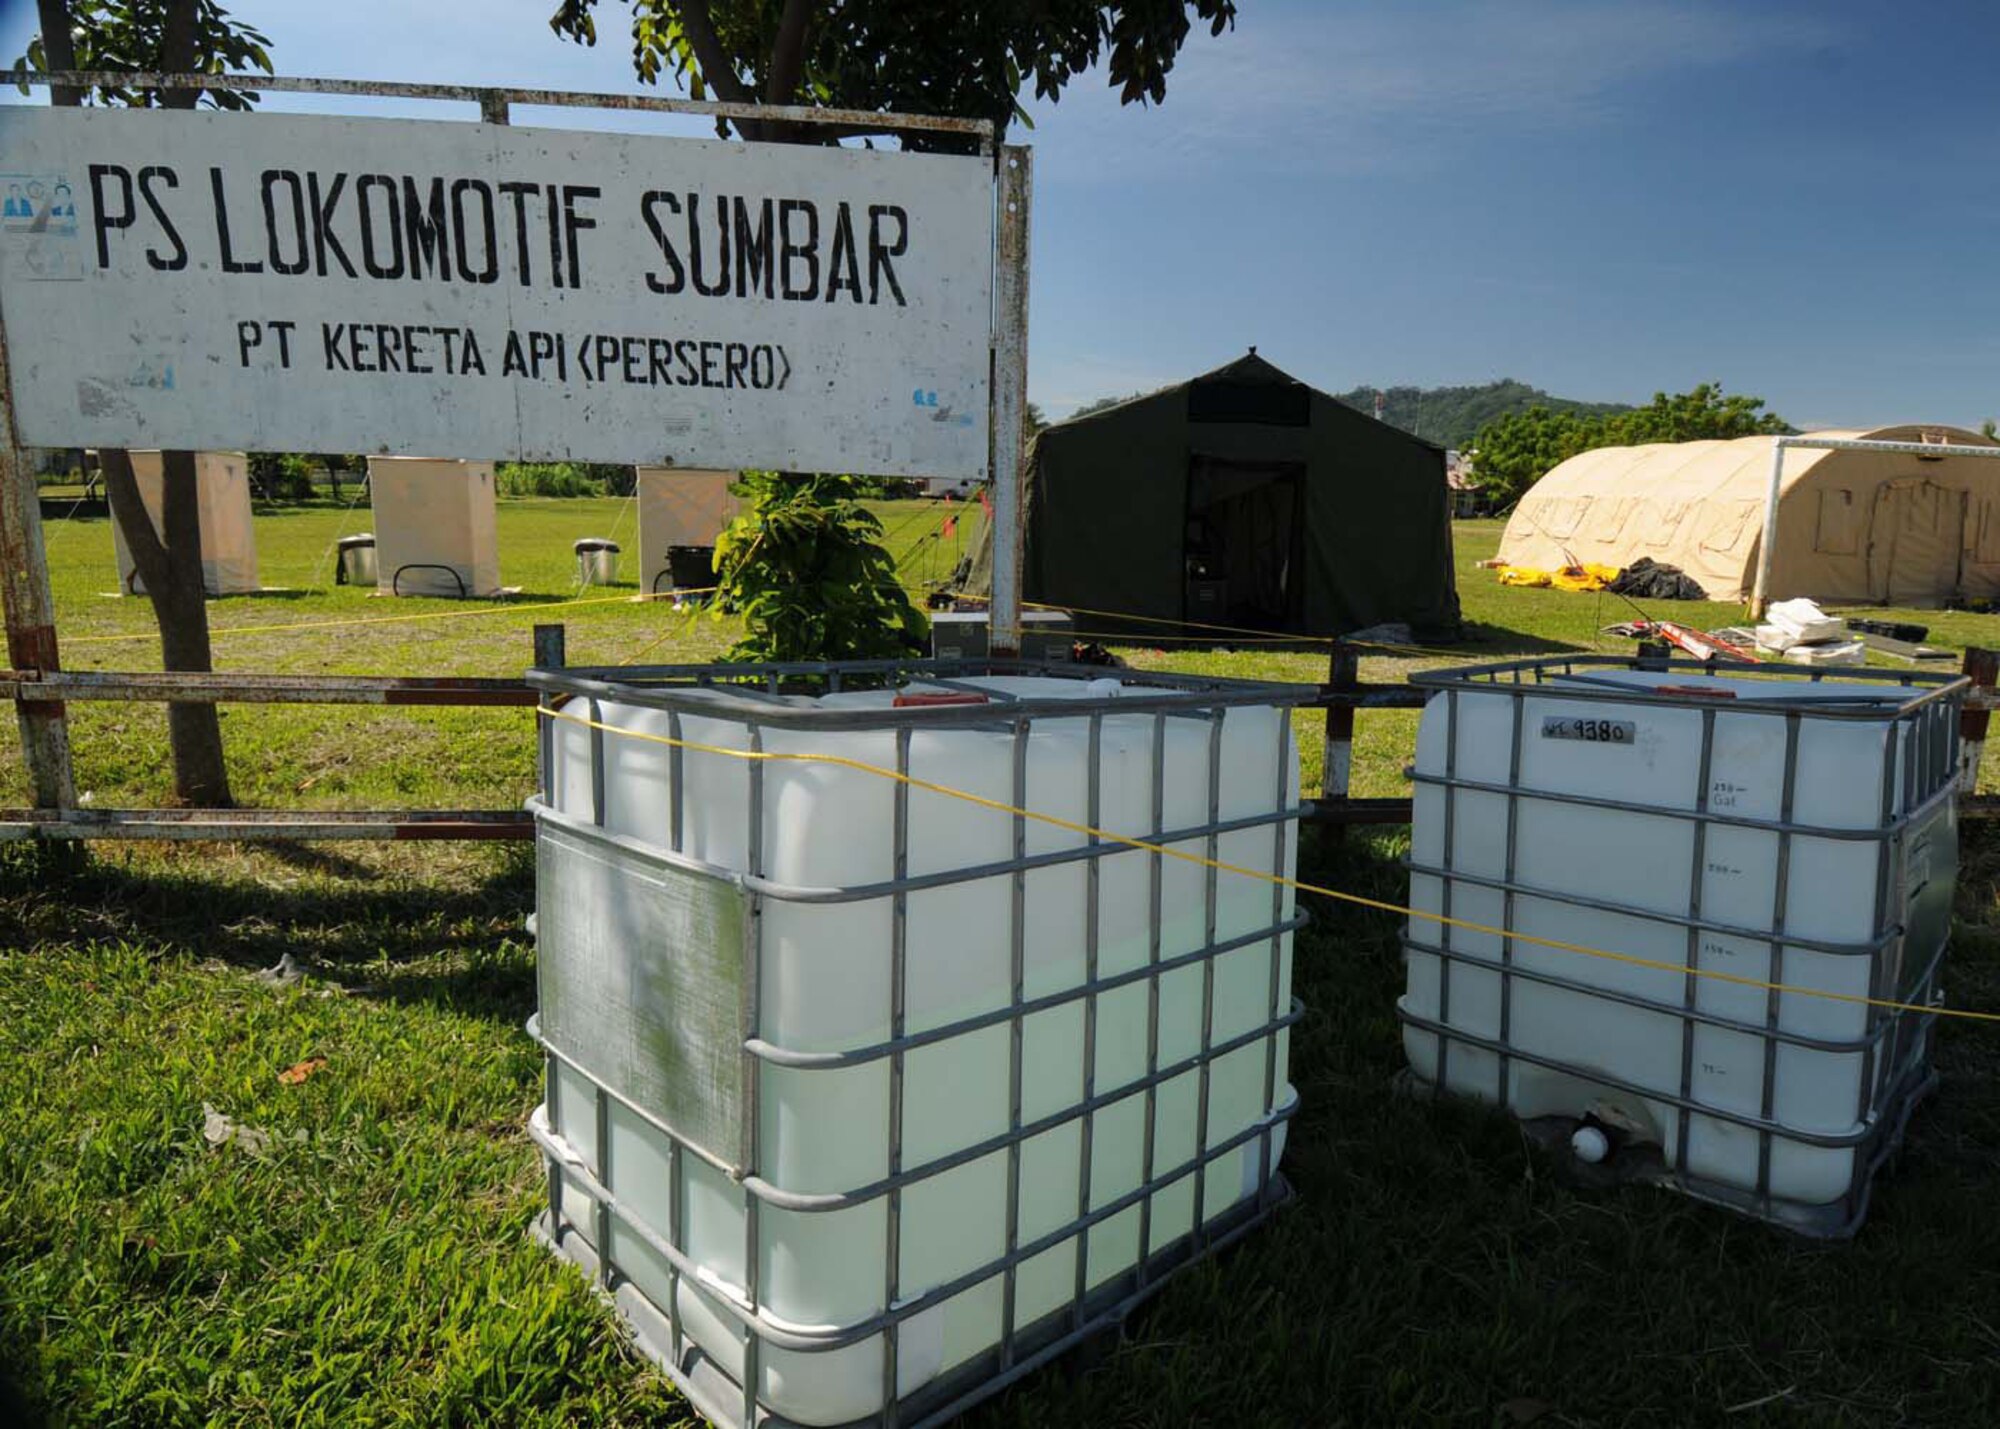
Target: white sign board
436,288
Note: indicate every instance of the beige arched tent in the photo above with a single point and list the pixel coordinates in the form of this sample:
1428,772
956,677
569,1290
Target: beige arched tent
1899,528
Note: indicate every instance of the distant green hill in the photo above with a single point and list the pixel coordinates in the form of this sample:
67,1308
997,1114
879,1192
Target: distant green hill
1450,416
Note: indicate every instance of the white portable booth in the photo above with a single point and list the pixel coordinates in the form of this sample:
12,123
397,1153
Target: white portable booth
678,507
434,531
228,540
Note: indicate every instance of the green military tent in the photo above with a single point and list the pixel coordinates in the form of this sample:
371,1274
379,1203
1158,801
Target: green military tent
1240,498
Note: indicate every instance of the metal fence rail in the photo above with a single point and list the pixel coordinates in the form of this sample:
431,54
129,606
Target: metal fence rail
1344,694
181,687
36,691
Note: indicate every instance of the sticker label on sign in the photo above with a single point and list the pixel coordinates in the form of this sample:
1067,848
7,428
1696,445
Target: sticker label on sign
1590,731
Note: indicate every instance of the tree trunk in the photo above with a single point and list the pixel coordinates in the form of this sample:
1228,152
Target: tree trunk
180,601
168,561
58,48
714,65
788,62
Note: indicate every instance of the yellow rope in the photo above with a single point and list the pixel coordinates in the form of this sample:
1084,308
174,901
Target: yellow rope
387,619
1128,639
1298,885
1262,636
693,614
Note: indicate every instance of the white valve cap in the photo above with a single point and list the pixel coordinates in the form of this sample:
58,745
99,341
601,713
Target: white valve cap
1590,1144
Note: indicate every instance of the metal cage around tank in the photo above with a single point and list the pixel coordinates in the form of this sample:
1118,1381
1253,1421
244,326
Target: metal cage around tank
1917,783
726,1133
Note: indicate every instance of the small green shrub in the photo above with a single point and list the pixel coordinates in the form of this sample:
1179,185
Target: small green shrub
282,476
806,569
546,478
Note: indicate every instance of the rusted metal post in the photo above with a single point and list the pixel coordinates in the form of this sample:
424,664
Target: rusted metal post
1982,667
549,655
492,107
1009,395
1343,675
30,610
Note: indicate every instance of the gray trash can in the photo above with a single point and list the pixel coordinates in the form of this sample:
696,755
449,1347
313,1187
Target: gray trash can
596,561
356,563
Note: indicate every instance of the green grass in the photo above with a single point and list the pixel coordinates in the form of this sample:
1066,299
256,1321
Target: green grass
335,756
374,1266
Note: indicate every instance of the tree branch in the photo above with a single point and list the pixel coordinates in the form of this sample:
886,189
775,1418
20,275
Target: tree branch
58,48
717,70
788,55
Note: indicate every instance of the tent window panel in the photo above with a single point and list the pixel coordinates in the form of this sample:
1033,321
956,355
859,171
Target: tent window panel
1986,538
1664,529
1610,518
1838,530
1559,519
1725,530
1265,404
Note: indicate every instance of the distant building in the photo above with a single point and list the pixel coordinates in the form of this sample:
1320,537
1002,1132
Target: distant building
1465,500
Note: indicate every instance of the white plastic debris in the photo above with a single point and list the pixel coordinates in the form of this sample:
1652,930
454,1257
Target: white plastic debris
1808,624
1776,639
219,1129
283,973
1847,652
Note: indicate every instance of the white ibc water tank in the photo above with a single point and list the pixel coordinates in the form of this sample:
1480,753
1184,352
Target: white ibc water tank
834,1045
1779,829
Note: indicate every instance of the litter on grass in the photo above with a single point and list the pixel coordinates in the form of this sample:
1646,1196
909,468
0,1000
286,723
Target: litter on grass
1648,579
1644,579
1805,623
220,1130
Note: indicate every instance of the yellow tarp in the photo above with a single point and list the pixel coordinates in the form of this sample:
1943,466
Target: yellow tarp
1586,577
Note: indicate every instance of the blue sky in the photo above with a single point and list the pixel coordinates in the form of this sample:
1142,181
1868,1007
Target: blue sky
1801,201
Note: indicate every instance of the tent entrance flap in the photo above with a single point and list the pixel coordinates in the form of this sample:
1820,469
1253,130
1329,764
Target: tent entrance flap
1916,539
1244,543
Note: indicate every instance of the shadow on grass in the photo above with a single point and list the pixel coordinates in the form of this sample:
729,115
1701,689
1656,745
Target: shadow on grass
396,936
23,1394
267,593
1483,641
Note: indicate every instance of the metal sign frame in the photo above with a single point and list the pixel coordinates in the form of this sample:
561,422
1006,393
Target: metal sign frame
32,646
